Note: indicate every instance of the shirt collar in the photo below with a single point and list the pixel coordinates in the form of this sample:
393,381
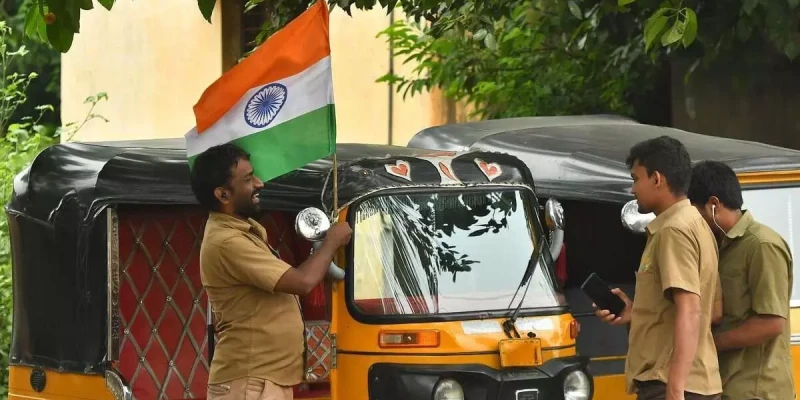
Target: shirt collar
741,226
662,218
229,221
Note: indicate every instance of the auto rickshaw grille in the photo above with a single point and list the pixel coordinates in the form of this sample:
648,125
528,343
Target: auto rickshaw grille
163,350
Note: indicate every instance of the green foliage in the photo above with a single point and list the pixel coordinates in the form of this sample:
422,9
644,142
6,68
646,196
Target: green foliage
528,58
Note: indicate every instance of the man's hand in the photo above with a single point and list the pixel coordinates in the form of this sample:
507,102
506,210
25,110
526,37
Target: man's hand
339,234
608,317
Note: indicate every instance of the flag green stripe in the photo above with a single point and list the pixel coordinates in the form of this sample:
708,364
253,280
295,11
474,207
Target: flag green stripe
292,144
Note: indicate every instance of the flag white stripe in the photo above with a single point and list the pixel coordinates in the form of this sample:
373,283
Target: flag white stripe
306,91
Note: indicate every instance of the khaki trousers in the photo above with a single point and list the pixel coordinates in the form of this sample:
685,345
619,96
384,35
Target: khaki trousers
249,389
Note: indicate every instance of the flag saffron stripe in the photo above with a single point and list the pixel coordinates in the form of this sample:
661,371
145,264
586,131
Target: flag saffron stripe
304,92
296,47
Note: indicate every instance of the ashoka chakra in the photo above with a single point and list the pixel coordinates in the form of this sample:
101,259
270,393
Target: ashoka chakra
265,105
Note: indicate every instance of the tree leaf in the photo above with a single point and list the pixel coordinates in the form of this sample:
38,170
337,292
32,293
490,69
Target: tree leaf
574,9
32,20
87,5
652,28
207,8
794,3
73,12
60,35
625,2
106,3
480,35
674,33
749,5
490,42
690,31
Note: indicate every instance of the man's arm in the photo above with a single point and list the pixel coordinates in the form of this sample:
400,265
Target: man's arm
679,268
687,332
716,316
754,331
252,265
303,279
768,281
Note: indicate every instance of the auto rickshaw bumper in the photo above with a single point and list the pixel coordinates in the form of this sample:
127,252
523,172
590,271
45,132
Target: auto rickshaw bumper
412,382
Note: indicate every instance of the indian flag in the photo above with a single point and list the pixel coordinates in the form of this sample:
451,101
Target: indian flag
277,104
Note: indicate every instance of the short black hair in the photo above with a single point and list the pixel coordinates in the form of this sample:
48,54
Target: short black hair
213,169
666,155
714,178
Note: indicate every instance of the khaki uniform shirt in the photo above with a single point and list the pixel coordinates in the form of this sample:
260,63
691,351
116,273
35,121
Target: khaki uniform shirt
756,270
261,332
681,253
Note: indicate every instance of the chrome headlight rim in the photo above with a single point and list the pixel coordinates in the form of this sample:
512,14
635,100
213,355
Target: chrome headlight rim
587,381
453,384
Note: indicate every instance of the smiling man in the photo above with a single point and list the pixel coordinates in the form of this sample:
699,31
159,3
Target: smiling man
755,266
671,352
252,292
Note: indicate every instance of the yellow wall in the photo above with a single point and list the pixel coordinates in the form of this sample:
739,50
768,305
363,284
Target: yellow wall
154,59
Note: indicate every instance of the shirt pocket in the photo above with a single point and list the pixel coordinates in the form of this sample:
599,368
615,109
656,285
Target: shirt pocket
735,294
648,291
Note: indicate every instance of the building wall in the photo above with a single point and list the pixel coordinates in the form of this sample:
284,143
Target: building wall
155,58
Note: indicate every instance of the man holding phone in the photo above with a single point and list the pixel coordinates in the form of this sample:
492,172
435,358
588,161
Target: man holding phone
671,353
755,266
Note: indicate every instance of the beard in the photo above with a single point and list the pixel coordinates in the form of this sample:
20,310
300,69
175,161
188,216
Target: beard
643,209
247,208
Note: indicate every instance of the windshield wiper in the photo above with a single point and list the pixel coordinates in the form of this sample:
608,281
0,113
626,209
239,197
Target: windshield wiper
508,324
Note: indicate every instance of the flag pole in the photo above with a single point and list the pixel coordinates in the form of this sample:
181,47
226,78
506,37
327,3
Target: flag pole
335,187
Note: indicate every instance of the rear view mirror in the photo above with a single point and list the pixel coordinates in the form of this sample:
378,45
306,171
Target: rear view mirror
312,224
554,214
633,220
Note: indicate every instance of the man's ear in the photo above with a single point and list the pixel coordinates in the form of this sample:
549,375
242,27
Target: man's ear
222,195
714,200
658,179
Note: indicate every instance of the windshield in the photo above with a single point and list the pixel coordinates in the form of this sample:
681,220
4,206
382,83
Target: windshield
437,253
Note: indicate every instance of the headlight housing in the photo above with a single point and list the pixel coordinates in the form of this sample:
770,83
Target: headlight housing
577,386
448,389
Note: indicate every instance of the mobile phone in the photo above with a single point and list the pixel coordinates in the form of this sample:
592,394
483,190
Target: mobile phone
601,295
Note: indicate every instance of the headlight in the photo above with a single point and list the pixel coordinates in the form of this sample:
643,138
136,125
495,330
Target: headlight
576,386
448,389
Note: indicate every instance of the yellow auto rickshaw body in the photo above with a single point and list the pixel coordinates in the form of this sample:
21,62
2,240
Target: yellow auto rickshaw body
448,287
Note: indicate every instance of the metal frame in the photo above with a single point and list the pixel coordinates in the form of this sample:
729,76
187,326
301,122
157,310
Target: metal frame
114,322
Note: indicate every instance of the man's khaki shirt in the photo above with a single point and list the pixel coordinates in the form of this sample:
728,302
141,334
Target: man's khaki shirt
260,331
681,253
756,270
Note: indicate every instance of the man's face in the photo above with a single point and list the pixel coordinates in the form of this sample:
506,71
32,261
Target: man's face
244,188
644,187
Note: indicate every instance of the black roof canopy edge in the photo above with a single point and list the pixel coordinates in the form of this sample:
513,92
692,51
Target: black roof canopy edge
583,157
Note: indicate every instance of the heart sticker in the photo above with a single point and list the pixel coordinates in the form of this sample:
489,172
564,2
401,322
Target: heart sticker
400,169
446,171
491,170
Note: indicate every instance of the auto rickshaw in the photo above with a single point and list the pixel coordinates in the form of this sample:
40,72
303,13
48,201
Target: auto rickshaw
580,161
446,290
